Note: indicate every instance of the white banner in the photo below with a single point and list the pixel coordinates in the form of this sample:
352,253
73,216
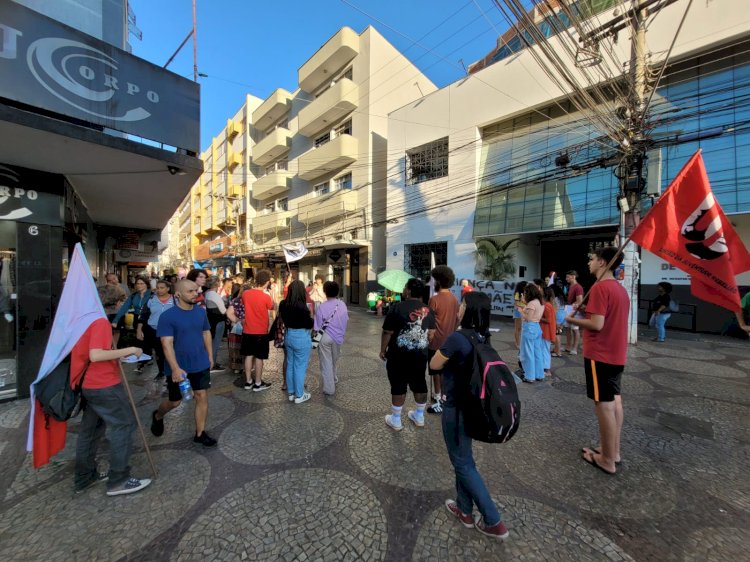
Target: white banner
500,293
294,252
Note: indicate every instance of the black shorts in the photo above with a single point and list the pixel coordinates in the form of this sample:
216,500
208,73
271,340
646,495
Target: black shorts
430,354
255,345
199,381
602,380
407,370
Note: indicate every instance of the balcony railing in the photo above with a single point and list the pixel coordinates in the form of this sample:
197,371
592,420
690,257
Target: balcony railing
273,146
272,185
327,207
271,222
272,109
329,157
331,57
329,107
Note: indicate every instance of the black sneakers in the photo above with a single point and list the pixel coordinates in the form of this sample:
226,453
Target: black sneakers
205,440
262,386
157,426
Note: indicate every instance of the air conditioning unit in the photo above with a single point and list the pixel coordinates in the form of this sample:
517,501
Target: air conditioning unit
345,237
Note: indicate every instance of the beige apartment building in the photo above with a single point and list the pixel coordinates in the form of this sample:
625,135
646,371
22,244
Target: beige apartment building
305,166
320,157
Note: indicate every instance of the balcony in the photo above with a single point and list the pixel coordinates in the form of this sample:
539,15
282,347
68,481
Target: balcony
326,207
272,184
234,159
197,227
329,157
336,102
271,222
331,57
273,146
233,128
273,109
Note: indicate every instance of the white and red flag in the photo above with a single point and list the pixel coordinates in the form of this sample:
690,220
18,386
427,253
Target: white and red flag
687,228
79,307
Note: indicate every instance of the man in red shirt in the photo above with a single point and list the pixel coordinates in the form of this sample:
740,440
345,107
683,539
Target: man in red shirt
106,408
258,316
605,345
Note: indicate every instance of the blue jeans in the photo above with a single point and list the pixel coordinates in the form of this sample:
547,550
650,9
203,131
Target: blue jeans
470,488
532,351
661,321
298,345
106,408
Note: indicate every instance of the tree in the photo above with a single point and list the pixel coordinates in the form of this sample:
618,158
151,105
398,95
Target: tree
493,260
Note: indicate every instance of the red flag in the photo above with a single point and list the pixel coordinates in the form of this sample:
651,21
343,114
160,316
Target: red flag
687,228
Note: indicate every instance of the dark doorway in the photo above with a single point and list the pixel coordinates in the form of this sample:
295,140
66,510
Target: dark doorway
561,254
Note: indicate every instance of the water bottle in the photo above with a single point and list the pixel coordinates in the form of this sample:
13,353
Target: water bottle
185,389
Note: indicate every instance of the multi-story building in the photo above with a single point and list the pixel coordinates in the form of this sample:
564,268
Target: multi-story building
215,217
320,157
503,155
99,147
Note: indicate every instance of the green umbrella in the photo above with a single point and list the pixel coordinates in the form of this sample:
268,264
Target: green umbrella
394,279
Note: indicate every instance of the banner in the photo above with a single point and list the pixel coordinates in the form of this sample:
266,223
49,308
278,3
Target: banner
294,252
500,293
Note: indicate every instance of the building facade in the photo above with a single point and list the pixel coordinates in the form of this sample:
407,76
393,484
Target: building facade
507,159
100,148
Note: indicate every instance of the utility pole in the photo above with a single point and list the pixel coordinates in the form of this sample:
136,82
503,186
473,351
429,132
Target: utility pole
195,44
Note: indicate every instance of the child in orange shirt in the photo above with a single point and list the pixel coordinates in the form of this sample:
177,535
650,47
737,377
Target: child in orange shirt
549,328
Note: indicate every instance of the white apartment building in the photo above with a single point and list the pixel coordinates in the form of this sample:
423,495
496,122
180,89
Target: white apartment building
320,158
463,161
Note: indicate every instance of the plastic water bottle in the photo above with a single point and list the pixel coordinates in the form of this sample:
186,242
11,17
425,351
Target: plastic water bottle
185,389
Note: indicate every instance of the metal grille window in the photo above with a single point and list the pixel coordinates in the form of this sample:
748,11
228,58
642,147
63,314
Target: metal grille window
427,162
418,258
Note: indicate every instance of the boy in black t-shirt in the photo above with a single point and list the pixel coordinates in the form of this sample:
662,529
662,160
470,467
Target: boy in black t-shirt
407,331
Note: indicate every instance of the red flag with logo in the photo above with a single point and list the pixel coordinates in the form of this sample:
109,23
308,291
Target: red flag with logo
687,228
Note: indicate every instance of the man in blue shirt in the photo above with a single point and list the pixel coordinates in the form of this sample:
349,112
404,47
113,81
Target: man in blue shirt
186,338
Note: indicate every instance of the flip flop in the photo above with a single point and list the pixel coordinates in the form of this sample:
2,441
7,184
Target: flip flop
598,451
593,463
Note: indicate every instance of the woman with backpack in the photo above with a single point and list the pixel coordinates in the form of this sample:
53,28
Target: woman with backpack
661,310
454,358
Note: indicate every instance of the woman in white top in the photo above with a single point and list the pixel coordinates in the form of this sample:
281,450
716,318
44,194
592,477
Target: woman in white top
532,345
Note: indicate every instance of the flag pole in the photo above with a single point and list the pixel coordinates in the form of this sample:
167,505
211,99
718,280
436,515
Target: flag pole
138,420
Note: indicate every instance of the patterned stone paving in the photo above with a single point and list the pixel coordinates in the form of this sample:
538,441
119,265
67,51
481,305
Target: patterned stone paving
327,480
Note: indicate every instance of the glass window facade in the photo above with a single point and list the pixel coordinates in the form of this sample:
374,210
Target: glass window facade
703,104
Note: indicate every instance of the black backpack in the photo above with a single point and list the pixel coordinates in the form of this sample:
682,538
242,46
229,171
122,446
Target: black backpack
487,395
54,392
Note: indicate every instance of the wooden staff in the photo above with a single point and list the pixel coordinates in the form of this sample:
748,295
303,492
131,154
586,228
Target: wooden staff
137,420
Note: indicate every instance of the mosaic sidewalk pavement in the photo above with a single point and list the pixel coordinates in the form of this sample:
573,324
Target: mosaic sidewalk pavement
327,480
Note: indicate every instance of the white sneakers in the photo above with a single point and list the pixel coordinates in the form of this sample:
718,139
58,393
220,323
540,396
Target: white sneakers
392,424
304,398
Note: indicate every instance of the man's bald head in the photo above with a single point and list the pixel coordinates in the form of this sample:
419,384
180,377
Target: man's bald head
186,291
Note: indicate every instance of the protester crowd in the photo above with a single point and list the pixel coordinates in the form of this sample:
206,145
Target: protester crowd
427,347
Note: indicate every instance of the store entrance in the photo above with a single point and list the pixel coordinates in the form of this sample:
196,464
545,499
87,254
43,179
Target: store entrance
7,308
561,254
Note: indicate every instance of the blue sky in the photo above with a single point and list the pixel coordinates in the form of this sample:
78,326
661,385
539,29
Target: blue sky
234,35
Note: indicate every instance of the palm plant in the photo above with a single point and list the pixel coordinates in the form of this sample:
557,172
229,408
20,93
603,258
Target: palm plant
493,260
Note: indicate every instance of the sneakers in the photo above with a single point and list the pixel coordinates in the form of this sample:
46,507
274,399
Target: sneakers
204,440
259,387
248,386
157,426
95,479
304,398
573,352
415,418
390,423
497,531
465,519
129,486
291,397
436,407
217,368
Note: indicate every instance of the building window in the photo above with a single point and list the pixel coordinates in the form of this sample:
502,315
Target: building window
418,258
269,208
321,189
322,139
348,74
344,129
282,204
427,162
276,166
343,182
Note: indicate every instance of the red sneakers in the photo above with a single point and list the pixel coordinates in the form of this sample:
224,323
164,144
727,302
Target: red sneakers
466,520
497,531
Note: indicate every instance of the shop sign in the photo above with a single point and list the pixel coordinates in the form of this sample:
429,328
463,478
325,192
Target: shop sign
136,255
500,292
216,248
655,270
65,71
129,240
22,200
336,257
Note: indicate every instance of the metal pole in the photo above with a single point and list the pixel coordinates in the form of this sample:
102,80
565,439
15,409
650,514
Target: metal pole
195,45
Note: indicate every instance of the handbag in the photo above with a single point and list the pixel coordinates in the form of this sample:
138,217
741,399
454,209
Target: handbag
316,336
276,333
